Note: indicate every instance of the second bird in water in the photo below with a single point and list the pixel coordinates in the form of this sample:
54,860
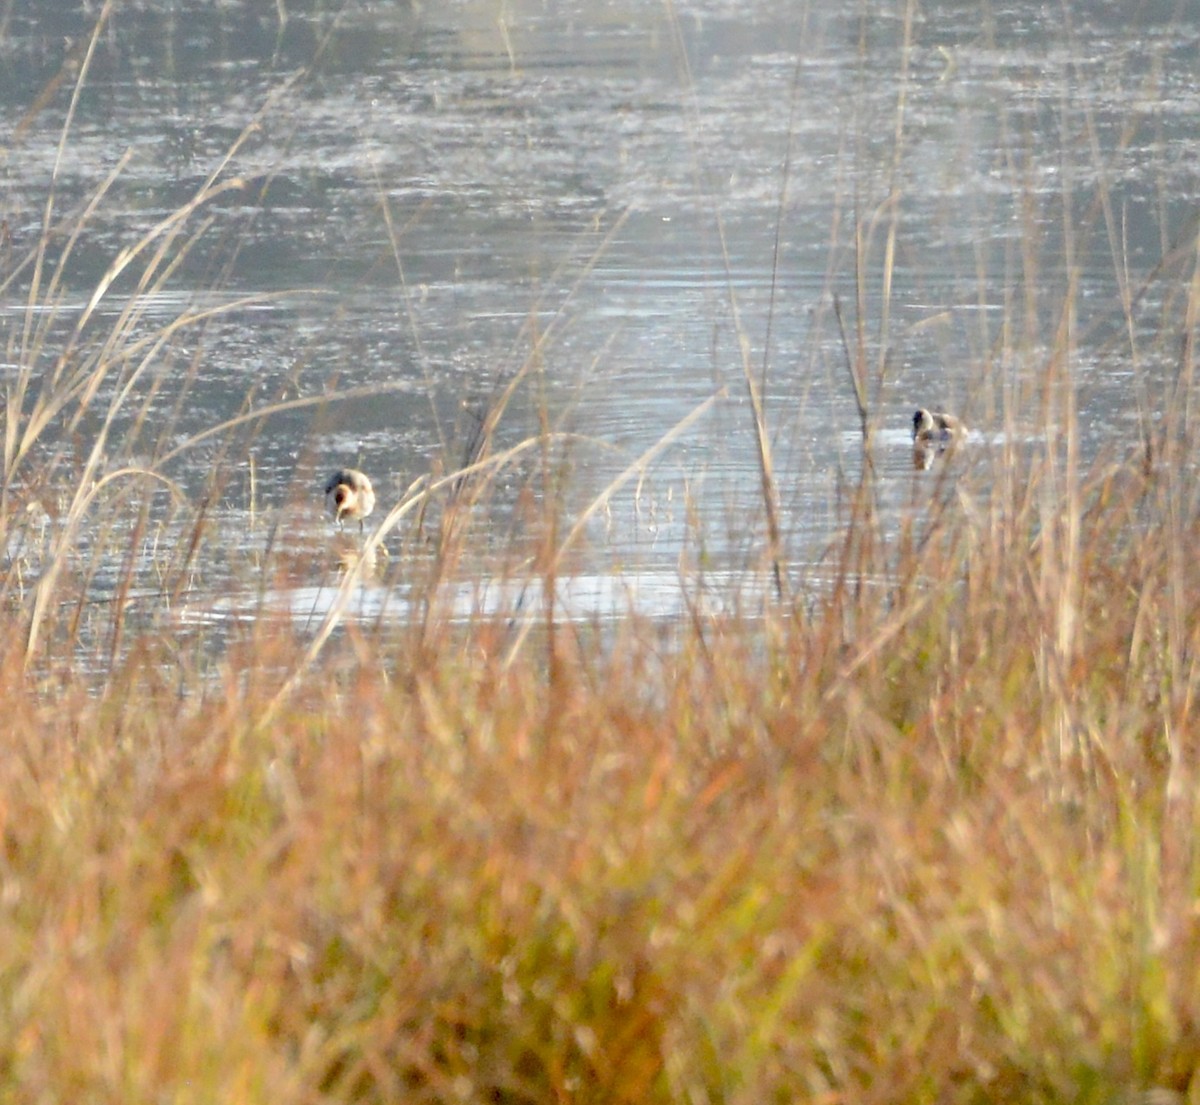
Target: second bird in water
936,427
933,432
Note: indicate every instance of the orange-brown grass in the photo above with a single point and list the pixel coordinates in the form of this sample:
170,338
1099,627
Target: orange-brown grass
913,847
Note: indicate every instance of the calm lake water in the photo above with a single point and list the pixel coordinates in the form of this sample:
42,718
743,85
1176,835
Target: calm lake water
630,202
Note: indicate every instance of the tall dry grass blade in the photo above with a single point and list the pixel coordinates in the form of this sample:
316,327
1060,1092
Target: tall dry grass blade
394,234
75,378
601,500
780,210
78,55
60,154
269,409
538,336
38,260
479,444
854,371
768,485
56,561
892,204
88,480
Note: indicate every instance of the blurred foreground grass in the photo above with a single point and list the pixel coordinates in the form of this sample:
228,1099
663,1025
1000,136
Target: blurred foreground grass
926,833
933,845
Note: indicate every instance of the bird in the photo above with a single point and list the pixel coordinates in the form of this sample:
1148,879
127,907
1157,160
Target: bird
349,495
936,427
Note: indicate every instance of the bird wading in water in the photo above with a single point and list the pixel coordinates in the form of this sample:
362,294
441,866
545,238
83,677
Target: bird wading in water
349,496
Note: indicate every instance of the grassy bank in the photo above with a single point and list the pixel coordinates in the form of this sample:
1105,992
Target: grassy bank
933,845
922,832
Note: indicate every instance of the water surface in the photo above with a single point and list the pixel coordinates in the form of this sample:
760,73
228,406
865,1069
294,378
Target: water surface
627,203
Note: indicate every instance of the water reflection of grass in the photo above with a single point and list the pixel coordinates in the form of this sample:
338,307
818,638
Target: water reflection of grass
928,841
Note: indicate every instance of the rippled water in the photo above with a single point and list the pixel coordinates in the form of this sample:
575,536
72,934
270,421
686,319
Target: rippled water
628,196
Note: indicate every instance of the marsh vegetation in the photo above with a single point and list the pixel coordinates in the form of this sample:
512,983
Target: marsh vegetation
894,801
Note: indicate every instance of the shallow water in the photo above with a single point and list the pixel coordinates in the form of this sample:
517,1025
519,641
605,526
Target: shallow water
632,196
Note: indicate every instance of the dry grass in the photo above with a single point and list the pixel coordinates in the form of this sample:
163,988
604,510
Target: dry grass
927,841
941,857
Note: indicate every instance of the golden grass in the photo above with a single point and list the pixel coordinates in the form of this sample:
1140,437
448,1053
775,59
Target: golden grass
927,839
935,856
